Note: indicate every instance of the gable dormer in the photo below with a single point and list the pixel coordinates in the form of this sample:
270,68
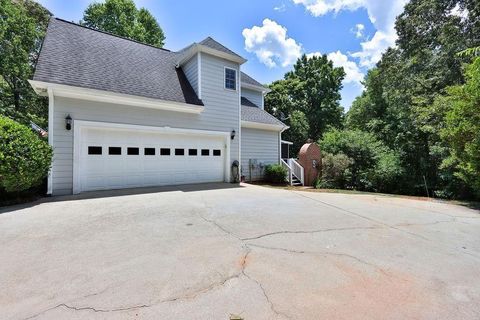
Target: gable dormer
192,58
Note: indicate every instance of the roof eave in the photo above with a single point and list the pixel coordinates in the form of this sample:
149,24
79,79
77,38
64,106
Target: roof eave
67,91
264,126
262,89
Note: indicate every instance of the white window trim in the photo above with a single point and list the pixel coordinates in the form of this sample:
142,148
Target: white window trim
79,125
225,77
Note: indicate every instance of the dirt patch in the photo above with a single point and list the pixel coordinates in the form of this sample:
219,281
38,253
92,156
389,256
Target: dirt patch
376,294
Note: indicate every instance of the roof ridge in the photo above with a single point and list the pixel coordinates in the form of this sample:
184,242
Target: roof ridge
110,34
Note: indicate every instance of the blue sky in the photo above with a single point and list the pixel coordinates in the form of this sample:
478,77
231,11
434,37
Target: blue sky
271,34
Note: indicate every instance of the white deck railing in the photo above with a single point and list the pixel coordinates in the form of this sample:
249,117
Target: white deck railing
298,170
294,170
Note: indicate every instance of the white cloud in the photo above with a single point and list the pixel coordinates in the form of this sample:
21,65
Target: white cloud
381,13
280,8
271,44
321,7
358,30
352,71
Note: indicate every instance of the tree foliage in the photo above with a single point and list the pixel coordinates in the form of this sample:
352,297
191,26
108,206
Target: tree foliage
461,130
121,17
307,99
403,102
371,165
22,27
24,158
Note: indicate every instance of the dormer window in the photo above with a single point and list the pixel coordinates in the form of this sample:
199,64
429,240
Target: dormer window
230,79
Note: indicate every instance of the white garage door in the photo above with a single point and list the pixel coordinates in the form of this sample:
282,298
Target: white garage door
115,159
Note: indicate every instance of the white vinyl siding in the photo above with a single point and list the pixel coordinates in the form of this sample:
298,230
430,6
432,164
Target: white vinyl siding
221,114
254,96
191,72
261,145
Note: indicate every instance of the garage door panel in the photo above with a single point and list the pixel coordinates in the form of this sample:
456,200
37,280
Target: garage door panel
109,171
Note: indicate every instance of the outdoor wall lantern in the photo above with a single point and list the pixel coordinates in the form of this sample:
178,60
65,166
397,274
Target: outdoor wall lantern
68,122
232,134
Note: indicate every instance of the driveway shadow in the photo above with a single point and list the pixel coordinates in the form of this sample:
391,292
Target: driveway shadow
124,192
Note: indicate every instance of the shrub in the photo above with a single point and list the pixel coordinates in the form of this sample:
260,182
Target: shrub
335,171
372,165
24,158
275,173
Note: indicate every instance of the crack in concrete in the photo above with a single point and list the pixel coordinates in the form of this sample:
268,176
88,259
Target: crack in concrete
325,253
308,231
272,306
243,265
361,216
423,224
214,285
64,305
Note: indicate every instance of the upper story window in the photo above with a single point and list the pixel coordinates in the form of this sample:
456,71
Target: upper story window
230,79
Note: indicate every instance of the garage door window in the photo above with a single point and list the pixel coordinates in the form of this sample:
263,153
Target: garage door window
205,152
217,153
114,151
133,151
179,152
192,152
94,150
164,151
149,151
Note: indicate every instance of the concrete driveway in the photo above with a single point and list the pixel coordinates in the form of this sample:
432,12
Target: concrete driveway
249,252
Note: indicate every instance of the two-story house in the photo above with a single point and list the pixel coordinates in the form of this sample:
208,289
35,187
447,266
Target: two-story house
124,114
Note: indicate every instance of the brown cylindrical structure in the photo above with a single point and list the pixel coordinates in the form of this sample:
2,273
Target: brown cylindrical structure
311,159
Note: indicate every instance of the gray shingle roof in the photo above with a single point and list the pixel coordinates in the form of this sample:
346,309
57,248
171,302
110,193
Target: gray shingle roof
252,113
79,56
211,43
245,78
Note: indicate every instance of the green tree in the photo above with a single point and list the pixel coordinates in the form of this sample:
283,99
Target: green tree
315,85
22,27
398,106
307,99
462,128
279,103
121,17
